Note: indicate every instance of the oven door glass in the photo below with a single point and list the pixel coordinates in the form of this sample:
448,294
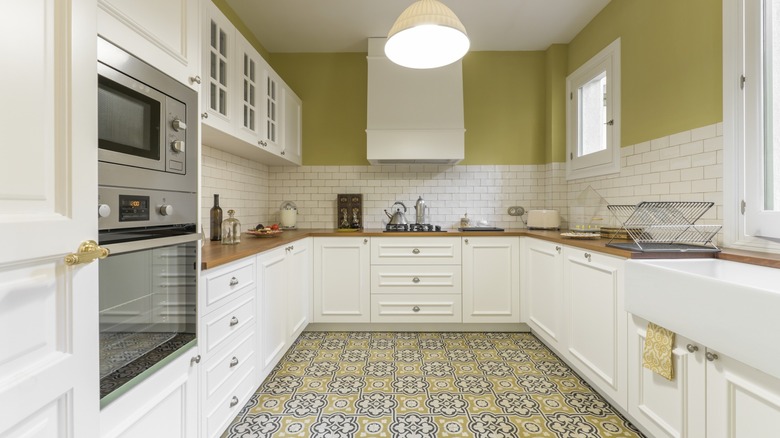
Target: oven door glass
147,309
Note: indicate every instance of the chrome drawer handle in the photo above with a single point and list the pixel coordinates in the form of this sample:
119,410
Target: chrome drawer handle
692,348
415,251
233,401
233,281
233,362
233,321
416,308
711,356
194,360
415,280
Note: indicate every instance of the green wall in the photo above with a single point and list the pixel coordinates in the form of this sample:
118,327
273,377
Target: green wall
671,63
233,17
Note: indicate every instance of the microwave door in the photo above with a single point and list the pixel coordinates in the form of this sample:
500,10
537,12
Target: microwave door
131,121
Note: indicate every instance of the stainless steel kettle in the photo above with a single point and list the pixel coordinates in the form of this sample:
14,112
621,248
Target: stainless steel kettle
397,218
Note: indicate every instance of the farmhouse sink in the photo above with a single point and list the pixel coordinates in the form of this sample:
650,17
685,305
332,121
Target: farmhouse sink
732,308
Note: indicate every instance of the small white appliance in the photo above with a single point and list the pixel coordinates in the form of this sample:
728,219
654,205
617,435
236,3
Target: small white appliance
543,220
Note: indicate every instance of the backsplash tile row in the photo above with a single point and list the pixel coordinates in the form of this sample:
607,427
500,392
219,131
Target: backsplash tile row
687,166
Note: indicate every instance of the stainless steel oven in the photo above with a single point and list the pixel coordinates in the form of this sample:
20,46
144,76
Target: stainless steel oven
147,218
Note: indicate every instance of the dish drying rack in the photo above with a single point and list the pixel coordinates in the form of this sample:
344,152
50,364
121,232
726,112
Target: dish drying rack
665,227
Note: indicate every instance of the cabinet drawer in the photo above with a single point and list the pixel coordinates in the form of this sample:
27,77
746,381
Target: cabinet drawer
220,325
416,308
221,411
404,279
415,250
230,363
225,283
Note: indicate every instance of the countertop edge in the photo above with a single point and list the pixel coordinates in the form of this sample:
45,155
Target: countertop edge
214,254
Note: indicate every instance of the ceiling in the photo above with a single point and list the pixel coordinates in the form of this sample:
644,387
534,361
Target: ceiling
285,26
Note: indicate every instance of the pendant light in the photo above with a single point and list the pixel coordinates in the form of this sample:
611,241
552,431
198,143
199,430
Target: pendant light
426,35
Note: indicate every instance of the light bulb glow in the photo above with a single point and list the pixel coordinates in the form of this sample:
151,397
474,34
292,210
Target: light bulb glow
427,46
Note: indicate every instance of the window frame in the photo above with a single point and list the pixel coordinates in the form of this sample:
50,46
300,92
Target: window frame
607,161
742,127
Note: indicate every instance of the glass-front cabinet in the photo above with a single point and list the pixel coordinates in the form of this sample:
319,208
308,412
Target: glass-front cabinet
218,64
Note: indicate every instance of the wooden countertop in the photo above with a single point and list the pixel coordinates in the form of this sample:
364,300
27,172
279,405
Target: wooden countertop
215,254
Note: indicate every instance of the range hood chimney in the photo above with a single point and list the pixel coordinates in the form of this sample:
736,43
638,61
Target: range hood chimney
414,116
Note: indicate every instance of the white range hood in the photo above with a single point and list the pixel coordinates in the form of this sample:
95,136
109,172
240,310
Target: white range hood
414,116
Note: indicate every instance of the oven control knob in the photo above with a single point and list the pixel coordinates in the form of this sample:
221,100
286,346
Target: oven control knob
104,210
178,125
177,145
166,210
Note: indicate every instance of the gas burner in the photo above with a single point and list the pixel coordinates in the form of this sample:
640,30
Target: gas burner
413,228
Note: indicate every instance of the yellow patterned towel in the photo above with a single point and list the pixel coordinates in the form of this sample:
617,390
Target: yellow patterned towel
657,355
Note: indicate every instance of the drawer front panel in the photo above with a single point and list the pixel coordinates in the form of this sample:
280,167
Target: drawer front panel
221,411
415,250
420,308
223,368
404,279
220,325
220,286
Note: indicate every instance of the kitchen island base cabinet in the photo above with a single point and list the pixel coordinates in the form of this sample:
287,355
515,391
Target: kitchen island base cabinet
341,271
667,409
491,279
595,320
165,404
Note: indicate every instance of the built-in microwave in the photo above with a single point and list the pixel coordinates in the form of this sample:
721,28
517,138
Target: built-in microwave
147,125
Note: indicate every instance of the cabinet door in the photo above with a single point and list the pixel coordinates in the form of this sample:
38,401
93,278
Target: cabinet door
48,310
341,280
544,290
272,281
595,320
491,279
273,96
293,122
667,409
165,404
164,34
249,75
742,402
218,63
299,280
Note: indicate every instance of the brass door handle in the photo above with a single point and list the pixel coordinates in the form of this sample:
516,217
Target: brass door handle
88,251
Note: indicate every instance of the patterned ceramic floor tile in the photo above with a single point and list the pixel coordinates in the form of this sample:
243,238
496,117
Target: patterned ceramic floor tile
425,385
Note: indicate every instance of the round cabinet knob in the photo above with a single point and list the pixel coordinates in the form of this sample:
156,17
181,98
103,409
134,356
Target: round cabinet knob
416,280
104,210
416,308
177,146
204,116
711,356
233,401
233,281
195,79
233,362
233,321
558,249
166,210
415,251
692,348
178,125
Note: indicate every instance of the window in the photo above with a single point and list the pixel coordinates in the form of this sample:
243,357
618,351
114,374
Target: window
592,113
751,123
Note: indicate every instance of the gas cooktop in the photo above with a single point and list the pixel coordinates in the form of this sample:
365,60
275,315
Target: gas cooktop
413,228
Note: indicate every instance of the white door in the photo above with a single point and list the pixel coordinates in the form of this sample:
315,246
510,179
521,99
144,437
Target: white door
544,290
48,193
491,279
341,280
742,402
272,281
299,287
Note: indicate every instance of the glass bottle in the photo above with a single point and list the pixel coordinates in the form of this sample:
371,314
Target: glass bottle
231,229
216,220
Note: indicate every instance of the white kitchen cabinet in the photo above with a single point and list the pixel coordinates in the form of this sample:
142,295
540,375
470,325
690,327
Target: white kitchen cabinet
218,77
164,34
227,333
272,274
164,404
543,287
491,279
270,135
299,287
293,125
742,402
249,80
595,320
667,409
341,270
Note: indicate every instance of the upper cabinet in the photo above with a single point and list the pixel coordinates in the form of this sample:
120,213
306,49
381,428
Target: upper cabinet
248,110
164,34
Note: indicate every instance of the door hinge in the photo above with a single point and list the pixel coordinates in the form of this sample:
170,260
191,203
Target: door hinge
571,96
571,155
742,207
742,82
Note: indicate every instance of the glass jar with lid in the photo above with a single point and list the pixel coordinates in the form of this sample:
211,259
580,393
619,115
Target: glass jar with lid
231,229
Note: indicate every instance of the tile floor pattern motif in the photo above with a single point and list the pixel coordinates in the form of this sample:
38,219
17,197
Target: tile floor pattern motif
420,385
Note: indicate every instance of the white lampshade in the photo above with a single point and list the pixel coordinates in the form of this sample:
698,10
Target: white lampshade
426,35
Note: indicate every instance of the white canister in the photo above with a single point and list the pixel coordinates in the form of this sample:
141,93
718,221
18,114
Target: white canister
288,215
